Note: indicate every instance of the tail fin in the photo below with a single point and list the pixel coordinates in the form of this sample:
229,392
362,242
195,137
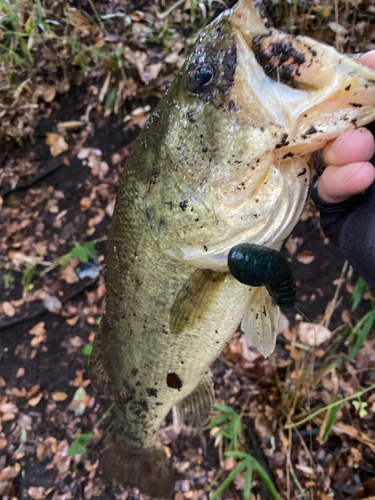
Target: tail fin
150,470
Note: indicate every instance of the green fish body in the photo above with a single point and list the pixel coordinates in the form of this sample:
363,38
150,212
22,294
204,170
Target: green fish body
226,158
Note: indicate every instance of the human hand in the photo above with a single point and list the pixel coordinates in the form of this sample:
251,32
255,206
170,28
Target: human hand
348,171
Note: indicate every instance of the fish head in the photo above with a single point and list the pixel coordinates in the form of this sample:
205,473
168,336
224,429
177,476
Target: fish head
245,112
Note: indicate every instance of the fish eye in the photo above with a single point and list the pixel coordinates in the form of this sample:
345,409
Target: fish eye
200,78
203,75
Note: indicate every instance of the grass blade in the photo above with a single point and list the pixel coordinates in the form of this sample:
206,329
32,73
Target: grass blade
265,479
248,479
359,290
331,417
366,329
240,467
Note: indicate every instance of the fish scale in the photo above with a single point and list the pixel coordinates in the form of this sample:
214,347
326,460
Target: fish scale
225,159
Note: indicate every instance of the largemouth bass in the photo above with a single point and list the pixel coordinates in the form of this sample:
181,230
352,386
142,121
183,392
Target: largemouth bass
225,159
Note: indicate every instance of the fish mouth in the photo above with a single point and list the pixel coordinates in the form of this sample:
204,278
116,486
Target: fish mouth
312,91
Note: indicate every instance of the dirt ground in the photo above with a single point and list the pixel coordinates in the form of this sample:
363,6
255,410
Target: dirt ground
46,396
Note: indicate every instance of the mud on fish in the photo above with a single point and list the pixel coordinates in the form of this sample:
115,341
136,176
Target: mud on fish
224,160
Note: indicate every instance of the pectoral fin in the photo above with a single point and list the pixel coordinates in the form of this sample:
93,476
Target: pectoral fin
260,322
195,409
194,299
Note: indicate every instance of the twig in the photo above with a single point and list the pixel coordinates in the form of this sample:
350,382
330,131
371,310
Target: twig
101,24
332,304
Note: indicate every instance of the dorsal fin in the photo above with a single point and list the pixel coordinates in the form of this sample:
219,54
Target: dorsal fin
194,299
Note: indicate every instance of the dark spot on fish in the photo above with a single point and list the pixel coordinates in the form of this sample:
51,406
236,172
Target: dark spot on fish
312,130
174,381
261,129
355,105
183,205
232,106
201,136
354,122
288,155
205,149
170,203
129,387
192,116
348,87
134,371
196,220
301,173
158,403
205,248
152,392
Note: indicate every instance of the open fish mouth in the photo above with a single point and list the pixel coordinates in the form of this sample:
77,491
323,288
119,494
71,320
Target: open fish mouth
312,90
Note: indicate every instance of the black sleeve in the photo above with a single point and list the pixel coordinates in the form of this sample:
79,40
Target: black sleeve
351,225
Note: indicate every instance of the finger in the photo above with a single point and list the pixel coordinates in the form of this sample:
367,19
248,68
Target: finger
353,146
339,183
368,59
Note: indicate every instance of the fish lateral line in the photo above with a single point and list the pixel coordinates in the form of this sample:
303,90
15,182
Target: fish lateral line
257,265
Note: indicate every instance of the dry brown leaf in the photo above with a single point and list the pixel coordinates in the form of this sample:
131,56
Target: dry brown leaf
69,274
20,372
305,257
35,401
10,472
37,492
7,417
72,321
48,93
8,408
39,333
8,309
85,203
33,391
313,334
56,144
59,396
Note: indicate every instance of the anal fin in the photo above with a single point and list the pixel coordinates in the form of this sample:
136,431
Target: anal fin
195,410
260,322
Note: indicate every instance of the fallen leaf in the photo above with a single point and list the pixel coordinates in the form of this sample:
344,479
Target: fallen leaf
20,372
33,391
305,257
56,143
72,321
35,401
313,334
85,203
59,396
36,492
48,93
8,309
52,303
69,274
10,472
